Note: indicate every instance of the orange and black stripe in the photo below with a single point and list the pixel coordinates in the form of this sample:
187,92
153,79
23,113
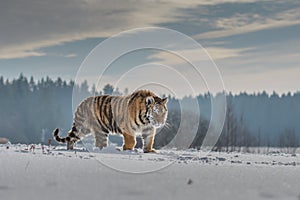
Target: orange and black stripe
116,114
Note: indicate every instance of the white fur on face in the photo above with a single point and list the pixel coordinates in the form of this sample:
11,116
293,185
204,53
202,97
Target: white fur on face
157,116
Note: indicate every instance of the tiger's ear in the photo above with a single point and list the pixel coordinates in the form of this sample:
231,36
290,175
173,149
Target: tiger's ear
164,100
149,100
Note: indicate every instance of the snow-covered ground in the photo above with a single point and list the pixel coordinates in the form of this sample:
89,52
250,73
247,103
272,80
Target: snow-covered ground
54,173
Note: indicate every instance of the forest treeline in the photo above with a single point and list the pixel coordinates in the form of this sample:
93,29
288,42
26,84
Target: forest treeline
31,109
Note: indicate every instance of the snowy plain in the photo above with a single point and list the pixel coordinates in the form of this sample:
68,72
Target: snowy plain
51,172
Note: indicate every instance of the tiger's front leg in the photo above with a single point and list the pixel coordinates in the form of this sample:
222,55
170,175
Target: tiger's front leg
148,140
129,141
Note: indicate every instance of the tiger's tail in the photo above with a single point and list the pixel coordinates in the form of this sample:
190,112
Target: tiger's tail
59,139
70,139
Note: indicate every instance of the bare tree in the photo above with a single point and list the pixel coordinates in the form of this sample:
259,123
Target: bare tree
230,127
258,140
235,134
247,140
288,140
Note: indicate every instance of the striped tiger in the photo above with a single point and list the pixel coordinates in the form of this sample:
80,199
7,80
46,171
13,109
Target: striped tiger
142,112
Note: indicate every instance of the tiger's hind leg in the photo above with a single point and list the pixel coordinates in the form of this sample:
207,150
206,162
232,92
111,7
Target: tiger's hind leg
101,138
72,137
70,145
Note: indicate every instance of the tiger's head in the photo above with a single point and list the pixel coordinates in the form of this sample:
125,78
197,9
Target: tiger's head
156,111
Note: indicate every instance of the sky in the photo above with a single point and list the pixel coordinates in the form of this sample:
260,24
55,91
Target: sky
254,44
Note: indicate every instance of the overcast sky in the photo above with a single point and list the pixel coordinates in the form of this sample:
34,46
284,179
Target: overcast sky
255,44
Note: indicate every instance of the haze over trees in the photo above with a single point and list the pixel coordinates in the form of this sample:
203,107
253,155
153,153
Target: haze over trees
30,110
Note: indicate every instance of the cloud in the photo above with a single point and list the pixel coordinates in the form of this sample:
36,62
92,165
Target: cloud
27,26
72,55
251,22
11,54
272,56
216,53
268,67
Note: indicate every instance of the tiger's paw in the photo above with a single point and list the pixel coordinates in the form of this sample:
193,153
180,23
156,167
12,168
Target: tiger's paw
150,151
127,148
119,148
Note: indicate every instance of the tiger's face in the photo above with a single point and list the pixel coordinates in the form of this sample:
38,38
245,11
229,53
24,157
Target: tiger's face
157,111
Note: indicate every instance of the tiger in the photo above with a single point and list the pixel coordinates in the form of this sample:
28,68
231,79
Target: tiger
137,114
